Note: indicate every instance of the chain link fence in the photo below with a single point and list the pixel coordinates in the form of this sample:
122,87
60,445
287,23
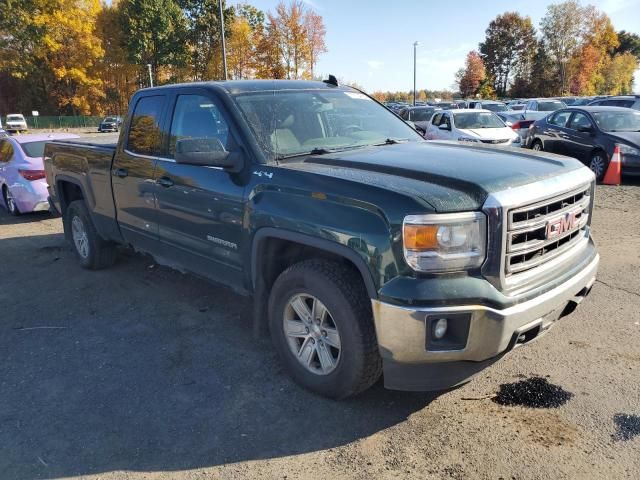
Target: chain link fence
51,122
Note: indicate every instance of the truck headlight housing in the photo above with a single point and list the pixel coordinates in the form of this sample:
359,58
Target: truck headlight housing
468,139
444,242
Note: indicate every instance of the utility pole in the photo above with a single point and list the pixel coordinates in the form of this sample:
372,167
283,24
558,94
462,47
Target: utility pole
415,46
224,48
150,75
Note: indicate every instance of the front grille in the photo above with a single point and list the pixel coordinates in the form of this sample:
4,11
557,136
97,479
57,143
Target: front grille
495,142
541,231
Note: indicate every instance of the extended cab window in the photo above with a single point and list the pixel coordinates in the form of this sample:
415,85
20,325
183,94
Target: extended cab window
197,117
145,135
6,151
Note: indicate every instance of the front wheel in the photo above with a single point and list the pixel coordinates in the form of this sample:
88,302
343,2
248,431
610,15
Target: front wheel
537,146
598,164
322,328
10,202
90,248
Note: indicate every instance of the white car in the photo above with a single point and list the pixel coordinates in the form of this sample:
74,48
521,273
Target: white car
16,123
472,125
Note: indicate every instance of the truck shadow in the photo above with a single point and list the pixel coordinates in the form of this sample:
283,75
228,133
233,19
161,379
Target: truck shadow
143,368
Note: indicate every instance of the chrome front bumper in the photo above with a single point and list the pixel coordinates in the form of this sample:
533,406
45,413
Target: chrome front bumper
403,334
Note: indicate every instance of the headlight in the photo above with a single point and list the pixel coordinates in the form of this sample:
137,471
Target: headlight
444,242
627,150
467,139
516,140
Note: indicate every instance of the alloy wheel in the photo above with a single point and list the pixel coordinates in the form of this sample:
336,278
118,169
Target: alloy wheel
312,334
80,238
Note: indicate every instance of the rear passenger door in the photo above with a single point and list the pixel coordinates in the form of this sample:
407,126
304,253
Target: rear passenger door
200,209
133,168
554,135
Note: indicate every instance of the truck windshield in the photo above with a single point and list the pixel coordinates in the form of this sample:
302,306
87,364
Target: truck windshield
15,118
550,106
289,122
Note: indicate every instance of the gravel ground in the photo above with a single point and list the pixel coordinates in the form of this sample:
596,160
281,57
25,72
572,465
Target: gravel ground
142,372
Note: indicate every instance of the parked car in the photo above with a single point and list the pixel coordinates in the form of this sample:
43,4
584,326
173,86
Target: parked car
627,101
110,124
515,120
22,180
538,108
16,123
491,105
419,116
365,249
472,125
590,134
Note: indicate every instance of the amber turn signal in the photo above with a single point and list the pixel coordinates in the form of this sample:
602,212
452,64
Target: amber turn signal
420,237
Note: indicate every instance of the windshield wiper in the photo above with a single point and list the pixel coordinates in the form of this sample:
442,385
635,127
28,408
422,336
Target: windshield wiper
314,151
393,141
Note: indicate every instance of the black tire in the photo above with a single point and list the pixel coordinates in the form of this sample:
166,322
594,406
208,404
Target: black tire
99,253
598,163
342,291
538,144
12,208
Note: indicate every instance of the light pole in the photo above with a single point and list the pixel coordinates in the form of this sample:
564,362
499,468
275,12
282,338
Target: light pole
224,48
150,75
415,46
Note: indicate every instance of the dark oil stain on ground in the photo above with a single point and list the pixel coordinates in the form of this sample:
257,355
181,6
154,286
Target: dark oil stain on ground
535,392
628,426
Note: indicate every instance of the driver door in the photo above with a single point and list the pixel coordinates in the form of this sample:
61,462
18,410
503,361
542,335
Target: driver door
200,208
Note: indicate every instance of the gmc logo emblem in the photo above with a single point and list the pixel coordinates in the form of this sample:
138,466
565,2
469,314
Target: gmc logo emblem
560,225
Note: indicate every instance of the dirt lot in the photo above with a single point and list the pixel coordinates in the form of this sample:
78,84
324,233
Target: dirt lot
142,372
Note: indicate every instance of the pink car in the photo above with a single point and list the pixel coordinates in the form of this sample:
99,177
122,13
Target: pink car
22,181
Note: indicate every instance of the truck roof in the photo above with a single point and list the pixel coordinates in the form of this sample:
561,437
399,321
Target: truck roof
235,87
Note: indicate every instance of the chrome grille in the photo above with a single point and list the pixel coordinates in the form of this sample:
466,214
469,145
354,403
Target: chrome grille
496,142
541,231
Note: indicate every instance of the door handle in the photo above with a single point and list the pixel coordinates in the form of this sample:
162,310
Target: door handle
165,182
121,172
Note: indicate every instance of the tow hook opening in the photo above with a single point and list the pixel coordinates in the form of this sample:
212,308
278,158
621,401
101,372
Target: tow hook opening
527,336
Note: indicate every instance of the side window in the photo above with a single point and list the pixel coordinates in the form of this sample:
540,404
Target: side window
6,151
534,106
580,120
145,135
197,117
559,119
445,120
436,119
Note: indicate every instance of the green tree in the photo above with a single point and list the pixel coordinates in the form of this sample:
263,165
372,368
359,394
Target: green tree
508,48
156,35
562,31
629,43
543,74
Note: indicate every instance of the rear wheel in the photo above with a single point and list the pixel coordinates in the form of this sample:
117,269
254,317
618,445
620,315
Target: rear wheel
322,328
598,164
10,202
537,146
90,248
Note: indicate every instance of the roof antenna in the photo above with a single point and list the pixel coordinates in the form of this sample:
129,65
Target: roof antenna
332,81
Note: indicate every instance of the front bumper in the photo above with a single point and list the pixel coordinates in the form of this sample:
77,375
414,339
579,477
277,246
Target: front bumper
411,363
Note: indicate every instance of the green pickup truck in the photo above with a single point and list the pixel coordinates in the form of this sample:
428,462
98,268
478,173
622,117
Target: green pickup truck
366,250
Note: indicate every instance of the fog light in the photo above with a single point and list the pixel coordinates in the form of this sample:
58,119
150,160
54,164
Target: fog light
440,328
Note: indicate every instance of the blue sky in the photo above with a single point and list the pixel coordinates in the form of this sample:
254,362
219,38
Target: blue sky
371,42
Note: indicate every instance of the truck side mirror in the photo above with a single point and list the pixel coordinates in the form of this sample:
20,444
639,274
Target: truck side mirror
207,152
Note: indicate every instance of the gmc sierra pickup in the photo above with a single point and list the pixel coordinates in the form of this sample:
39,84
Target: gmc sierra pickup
366,249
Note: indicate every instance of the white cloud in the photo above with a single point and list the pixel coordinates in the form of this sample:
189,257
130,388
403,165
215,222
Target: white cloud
375,64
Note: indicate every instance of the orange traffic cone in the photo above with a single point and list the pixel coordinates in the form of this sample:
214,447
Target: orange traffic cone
614,172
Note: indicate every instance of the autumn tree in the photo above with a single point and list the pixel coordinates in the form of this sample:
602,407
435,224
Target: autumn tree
240,49
508,48
315,31
472,75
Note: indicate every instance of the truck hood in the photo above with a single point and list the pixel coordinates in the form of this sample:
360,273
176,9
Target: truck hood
450,177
